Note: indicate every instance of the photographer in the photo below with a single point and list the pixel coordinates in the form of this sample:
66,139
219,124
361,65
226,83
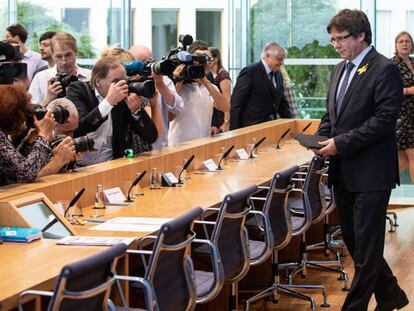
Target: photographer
170,102
34,157
199,97
51,83
108,110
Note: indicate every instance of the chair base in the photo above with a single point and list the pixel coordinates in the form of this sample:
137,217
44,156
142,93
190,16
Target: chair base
392,221
327,265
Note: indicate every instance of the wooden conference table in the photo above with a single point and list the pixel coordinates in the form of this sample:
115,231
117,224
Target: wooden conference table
36,265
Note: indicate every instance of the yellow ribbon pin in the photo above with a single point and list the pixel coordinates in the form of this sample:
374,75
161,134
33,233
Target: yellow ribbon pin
363,69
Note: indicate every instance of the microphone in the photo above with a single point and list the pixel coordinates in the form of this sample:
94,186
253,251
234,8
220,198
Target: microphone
185,166
281,137
136,181
71,203
134,67
184,56
255,146
306,127
225,154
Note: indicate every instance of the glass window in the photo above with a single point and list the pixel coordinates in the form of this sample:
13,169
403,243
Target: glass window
114,22
78,19
384,42
208,27
409,18
164,32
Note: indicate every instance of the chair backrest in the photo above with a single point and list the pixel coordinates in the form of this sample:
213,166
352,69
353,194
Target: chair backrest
314,188
276,206
170,268
86,284
229,234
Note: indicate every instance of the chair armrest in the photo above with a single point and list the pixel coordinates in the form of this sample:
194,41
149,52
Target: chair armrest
31,293
218,271
263,187
268,238
204,223
141,252
257,198
150,300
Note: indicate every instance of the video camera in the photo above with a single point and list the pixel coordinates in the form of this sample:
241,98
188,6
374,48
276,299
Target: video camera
9,68
143,86
60,114
180,55
64,80
82,143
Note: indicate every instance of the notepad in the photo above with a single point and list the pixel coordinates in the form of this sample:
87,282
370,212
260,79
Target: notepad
21,235
132,224
94,240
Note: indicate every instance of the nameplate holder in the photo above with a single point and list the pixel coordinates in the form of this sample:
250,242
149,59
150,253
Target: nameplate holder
242,154
169,180
210,165
114,195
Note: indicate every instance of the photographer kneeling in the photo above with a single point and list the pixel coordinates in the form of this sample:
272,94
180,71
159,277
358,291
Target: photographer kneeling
34,156
108,110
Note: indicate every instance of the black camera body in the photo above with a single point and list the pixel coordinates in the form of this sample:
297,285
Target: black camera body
64,80
82,143
10,69
60,114
144,86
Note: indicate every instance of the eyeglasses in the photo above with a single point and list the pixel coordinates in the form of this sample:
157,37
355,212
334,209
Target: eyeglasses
67,56
339,39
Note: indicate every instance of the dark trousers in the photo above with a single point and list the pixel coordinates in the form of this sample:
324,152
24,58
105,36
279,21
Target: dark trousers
362,216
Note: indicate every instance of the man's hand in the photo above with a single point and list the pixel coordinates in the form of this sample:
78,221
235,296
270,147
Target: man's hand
53,90
64,152
133,101
117,91
329,149
46,126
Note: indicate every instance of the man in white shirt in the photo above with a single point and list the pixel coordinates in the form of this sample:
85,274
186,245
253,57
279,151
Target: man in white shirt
169,101
199,97
64,53
17,34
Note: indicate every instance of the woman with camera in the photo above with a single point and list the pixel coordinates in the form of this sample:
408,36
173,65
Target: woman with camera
34,157
108,110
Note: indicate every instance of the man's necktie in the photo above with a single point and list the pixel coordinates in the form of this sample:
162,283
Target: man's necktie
272,78
344,86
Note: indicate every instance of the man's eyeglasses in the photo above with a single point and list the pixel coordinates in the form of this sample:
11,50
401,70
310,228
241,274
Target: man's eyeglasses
67,56
339,39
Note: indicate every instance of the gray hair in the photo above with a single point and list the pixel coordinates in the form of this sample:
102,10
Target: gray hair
73,120
273,48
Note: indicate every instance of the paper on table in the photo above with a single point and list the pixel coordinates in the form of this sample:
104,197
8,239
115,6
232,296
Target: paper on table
139,220
126,227
94,241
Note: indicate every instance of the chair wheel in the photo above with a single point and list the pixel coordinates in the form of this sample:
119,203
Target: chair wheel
325,305
345,289
340,278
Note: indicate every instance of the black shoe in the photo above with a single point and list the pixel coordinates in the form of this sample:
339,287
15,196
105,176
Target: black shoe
396,302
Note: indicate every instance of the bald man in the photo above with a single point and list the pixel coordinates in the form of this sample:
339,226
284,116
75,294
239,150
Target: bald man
170,102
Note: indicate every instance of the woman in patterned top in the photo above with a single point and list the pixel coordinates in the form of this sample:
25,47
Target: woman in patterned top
221,120
405,127
34,155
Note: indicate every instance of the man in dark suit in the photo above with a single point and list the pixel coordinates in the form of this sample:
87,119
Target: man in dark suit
364,98
258,94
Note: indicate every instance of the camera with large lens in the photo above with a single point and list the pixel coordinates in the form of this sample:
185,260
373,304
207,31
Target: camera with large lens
82,143
163,67
143,86
60,114
64,80
10,69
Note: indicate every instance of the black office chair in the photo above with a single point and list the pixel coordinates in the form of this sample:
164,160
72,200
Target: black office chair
275,219
169,270
231,238
83,285
308,209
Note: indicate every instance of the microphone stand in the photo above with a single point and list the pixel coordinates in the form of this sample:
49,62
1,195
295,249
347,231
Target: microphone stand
306,127
185,166
281,137
136,181
225,154
71,203
255,146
